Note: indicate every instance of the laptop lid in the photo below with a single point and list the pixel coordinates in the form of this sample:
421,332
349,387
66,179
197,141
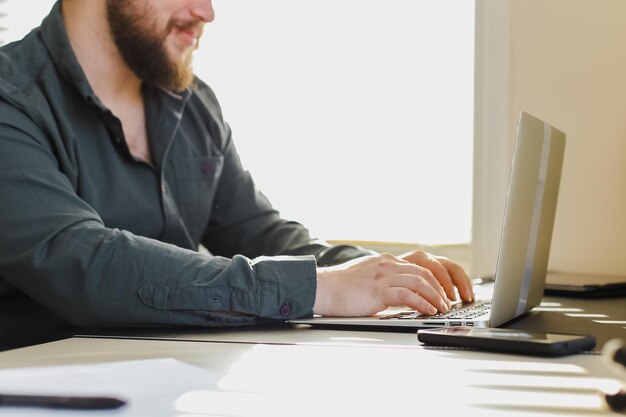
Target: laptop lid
528,219
524,243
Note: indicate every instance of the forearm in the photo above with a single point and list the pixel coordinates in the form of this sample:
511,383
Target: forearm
93,276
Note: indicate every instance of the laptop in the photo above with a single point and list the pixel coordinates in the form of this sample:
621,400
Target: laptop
581,285
521,268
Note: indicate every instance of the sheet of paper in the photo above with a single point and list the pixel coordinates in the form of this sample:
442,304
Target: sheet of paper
150,387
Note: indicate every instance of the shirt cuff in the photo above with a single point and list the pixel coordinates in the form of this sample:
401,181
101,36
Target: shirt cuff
288,286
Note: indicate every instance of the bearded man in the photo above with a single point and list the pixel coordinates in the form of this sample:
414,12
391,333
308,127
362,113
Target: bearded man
116,166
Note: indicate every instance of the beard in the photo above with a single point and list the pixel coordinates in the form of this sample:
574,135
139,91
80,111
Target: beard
143,48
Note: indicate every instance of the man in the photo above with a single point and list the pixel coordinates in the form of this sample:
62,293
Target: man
116,164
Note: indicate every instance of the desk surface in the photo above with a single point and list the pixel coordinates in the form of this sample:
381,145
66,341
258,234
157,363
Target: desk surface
364,373
304,371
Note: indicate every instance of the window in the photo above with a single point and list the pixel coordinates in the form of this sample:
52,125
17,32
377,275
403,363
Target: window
2,16
354,117
18,17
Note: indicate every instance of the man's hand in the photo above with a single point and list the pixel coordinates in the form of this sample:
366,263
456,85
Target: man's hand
367,285
448,273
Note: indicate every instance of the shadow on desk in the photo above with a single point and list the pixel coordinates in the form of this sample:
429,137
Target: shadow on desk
605,319
24,322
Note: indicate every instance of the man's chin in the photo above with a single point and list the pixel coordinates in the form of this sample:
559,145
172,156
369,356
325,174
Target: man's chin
180,73
178,50
183,80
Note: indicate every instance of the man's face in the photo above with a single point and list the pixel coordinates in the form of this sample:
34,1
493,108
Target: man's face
156,38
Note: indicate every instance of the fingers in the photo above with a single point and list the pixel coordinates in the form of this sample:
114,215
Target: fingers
460,279
417,279
447,273
402,296
416,292
390,271
440,272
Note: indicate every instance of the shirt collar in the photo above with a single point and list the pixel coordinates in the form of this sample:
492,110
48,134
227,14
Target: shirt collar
54,36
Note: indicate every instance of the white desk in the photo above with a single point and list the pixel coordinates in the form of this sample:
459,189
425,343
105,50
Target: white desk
306,372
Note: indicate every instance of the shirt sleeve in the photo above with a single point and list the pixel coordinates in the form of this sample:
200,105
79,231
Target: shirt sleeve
55,248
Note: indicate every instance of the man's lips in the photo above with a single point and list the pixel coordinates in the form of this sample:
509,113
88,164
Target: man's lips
189,37
189,33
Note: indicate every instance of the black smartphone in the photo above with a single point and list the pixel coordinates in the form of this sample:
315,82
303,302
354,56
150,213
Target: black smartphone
507,340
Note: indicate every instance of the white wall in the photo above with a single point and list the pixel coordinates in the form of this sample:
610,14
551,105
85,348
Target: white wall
563,61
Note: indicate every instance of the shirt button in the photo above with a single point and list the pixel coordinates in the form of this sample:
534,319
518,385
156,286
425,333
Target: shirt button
205,167
118,140
285,310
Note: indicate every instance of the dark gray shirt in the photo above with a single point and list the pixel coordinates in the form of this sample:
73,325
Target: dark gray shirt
103,239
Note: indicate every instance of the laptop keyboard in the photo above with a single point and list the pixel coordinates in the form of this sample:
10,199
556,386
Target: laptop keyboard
458,311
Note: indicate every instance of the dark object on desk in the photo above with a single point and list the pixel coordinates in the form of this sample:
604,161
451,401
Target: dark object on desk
585,285
507,341
614,355
616,402
61,402
23,322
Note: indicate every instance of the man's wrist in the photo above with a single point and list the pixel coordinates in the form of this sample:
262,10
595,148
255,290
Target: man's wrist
322,293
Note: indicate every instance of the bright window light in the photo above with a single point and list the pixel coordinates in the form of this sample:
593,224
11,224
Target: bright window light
18,17
355,117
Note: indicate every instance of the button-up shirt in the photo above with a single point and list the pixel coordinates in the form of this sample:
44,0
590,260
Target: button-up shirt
101,238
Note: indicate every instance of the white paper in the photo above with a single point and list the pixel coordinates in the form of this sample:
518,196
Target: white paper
150,387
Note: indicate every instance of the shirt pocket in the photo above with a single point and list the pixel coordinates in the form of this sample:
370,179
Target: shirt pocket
196,180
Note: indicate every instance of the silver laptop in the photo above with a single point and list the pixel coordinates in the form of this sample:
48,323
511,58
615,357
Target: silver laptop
524,243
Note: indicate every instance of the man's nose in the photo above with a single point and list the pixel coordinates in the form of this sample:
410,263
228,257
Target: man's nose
203,10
